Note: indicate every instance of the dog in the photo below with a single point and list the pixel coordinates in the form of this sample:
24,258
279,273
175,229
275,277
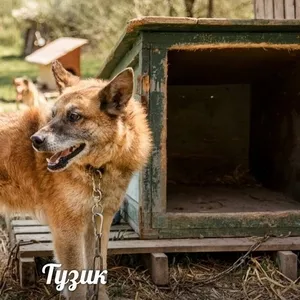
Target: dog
47,160
28,93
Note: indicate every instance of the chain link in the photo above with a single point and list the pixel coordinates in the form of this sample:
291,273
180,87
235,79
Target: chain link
97,219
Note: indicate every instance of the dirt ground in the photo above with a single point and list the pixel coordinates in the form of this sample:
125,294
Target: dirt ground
257,278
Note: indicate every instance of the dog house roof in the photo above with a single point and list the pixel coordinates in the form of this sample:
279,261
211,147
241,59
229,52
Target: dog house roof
55,50
177,24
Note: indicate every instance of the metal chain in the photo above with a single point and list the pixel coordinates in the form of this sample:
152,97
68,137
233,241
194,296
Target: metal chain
13,260
237,263
97,219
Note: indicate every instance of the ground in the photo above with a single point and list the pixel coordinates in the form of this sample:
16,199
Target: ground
257,278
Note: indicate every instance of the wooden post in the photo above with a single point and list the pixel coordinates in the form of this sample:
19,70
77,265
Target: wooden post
287,261
158,266
27,271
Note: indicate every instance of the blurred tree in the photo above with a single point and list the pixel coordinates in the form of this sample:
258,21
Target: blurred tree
189,5
172,11
210,9
102,21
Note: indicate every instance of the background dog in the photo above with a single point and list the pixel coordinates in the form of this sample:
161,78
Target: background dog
28,93
94,125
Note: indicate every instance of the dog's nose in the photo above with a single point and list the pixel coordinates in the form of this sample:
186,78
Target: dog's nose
37,140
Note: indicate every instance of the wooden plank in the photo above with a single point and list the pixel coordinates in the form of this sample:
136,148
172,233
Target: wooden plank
15,223
34,223
47,237
201,245
177,245
279,9
269,9
297,8
122,227
289,8
46,229
259,9
36,250
31,229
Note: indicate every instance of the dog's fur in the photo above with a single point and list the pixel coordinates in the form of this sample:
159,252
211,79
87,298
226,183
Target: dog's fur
28,93
114,129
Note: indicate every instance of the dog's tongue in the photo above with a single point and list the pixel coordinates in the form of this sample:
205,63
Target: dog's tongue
58,155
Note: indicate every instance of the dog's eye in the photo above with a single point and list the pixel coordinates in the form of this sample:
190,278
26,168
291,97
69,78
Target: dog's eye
53,113
73,117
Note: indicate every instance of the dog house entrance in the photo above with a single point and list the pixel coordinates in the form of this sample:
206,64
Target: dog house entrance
233,128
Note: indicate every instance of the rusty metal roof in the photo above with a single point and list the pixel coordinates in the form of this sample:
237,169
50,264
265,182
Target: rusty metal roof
55,50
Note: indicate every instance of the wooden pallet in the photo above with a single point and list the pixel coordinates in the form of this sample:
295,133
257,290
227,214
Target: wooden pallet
123,240
32,230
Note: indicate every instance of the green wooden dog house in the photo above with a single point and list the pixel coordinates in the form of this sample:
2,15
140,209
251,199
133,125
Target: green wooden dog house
223,102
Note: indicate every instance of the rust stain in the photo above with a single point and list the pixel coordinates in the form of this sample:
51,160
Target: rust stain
266,46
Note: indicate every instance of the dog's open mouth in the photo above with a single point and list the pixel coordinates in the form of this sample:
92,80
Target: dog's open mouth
60,159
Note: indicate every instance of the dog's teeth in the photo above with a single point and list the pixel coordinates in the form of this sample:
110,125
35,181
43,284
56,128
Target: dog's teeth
48,160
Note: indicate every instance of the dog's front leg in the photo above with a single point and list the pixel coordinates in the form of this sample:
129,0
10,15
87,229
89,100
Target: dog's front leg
68,245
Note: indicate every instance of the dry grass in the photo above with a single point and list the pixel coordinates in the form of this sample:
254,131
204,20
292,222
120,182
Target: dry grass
257,279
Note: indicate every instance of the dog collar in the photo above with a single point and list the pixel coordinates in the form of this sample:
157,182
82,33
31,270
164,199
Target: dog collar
93,169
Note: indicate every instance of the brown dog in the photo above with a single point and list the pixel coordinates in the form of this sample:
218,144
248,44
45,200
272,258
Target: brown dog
28,93
95,125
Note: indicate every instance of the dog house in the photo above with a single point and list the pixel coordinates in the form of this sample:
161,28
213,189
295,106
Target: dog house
223,102
66,50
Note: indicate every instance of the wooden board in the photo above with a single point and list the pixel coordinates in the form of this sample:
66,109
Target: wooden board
269,12
35,228
177,245
47,237
279,9
31,229
297,8
289,9
259,9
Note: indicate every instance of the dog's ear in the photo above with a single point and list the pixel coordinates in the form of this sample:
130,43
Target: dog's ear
116,94
62,77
